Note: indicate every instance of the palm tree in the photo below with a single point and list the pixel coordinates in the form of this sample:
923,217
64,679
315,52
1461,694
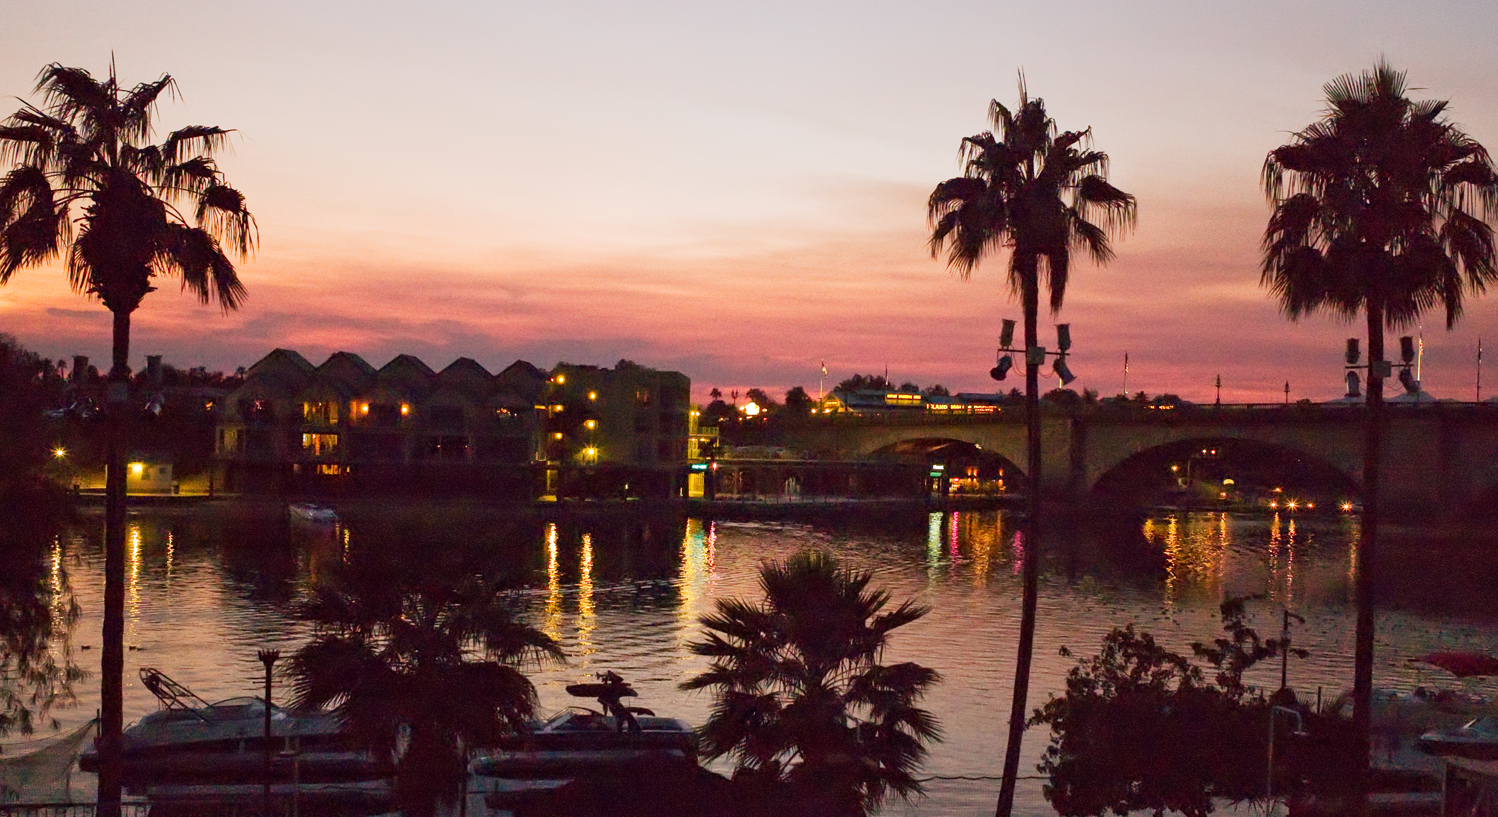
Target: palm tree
801,698
430,663
85,181
1038,194
1380,210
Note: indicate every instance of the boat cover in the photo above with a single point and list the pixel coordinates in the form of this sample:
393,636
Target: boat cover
45,774
1462,664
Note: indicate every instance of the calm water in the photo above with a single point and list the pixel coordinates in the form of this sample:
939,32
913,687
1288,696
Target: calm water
208,587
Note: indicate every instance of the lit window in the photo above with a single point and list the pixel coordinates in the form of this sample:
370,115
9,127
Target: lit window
320,444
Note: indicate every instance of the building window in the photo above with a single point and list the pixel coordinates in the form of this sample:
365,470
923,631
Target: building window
447,418
230,440
447,447
382,414
257,411
331,469
320,445
320,413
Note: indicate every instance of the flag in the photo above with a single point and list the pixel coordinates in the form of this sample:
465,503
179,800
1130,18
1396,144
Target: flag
824,368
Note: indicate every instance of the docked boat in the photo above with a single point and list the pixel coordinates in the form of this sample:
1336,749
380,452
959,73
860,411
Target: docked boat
312,513
1476,740
582,741
189,740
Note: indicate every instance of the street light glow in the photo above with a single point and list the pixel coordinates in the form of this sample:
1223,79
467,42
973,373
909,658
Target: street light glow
59,452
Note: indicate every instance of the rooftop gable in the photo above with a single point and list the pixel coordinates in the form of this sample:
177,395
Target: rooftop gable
280,362
349,372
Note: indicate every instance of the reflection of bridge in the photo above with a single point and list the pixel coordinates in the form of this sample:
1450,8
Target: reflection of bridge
1442,456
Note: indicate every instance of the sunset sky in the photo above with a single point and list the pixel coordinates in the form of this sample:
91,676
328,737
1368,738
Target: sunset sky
737,191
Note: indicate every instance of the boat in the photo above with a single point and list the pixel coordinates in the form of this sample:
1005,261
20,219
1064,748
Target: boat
1475,740
312,513
582,742
190,741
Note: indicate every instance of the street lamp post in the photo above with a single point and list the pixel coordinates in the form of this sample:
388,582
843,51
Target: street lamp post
269,659
1034,357
1285,648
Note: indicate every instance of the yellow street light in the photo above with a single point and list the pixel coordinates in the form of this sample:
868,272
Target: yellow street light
59,452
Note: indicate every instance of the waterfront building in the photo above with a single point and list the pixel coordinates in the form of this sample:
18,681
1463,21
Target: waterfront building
347,427
618,432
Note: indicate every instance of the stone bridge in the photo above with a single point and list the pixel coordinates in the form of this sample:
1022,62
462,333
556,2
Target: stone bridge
1436,458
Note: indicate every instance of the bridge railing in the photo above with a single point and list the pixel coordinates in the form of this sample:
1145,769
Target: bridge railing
1015,413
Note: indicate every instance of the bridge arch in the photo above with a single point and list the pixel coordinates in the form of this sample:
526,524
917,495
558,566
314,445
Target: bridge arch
1230,469
967,464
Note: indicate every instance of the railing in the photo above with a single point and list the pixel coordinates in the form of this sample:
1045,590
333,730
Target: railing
1013,414
127,809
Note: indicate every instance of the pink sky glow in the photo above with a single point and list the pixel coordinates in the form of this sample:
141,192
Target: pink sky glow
737,191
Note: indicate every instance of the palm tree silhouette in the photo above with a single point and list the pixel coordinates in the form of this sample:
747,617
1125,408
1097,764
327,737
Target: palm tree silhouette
1038,194
85,181
430,663
1380,210
801,700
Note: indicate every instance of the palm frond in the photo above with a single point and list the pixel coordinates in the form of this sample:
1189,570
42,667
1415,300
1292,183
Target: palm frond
32,224
194,141
221,212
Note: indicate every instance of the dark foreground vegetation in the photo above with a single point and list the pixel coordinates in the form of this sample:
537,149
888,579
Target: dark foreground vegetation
1143,728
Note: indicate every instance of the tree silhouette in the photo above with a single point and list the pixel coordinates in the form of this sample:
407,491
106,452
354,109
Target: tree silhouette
430,658
1381,209
798,403
1036,193
86,181
801,698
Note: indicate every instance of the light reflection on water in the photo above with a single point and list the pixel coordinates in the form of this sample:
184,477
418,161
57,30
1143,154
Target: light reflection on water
205,593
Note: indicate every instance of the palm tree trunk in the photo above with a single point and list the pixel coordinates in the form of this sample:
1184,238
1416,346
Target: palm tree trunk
1030,284
112,659
1362,684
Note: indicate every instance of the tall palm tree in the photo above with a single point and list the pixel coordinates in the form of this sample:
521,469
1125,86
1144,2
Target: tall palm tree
801,696
85,181
1381,209
1039,194
432,663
